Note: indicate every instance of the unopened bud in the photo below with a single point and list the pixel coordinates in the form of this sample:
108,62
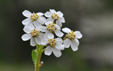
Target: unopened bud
41,63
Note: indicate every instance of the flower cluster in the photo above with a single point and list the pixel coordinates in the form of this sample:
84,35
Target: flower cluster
45,29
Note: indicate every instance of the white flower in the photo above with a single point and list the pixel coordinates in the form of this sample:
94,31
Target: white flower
51,28
33,18
57,16
53,45
71,38
33,34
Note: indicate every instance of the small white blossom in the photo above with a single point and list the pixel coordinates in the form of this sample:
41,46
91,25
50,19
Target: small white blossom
71,38
53,45
56,16
33,18
33,34
51,28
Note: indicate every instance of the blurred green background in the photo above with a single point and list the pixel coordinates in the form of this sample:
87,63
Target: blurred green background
94,18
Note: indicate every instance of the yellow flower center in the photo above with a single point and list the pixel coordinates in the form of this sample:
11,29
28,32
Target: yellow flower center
71,35
52,42
51,27
35,32
34,17
55,16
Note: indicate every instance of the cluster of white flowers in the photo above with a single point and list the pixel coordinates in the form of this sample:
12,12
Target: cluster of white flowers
40,30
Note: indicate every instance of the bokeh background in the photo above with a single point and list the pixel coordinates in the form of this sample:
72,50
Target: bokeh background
94,18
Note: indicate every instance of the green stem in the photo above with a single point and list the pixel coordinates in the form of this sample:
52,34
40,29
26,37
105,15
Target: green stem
39,53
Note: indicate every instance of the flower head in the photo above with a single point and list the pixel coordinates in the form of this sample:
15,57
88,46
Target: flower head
71,38
51,28
33,18
44,35
53,45
56,16
32,33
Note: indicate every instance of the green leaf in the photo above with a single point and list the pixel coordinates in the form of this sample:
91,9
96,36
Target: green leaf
34,56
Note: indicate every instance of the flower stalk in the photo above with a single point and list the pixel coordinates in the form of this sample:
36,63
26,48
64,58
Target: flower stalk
39,53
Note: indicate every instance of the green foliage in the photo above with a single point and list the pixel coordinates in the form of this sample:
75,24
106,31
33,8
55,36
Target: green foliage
34,56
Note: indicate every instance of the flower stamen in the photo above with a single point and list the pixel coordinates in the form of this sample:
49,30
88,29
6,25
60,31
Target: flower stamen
34,17
51,27
71,35
55,16
35,32
52,42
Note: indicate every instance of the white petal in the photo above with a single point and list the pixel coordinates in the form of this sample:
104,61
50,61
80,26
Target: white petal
48,22
76,42
78,34
59,33
58,22
41,35
66,30
59,40
62,19
40,13
38,40
36,24
74,46
32,42
28,28
41,20
67,43
26,21
44,42
26,13
48,14
52,10
43,28
50,19
59,46
48,51
58,28
57,52
26,37
49,35
60,14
